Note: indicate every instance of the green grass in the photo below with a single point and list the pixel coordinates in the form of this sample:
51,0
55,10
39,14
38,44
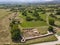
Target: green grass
43,30
43,16
57,21
16,44
38,40
58,32
51,17
33,24
41,40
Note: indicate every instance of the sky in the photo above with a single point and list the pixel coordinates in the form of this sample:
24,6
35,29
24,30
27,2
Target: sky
25,0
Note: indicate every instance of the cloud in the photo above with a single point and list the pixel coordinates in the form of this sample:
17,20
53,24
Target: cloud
26,0
48,0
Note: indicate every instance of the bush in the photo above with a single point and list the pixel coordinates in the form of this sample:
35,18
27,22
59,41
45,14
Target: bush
15,32
30,11
29,19
36,14
50,29
24,13
16,35
58,13
51,21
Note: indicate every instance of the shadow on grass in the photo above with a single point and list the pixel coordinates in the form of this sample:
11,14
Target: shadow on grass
57,26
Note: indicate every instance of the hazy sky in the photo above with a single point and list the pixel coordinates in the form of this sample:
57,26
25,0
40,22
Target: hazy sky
24,0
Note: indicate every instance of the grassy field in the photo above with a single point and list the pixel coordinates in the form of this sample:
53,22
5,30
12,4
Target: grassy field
43,30
38,40
5,36
41,40
27,24
21,44
58,32
4,13
56,18
57,22
33,23
43,16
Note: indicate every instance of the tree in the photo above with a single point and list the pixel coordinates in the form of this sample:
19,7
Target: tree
16,35
50,29
58,13
15,32
29,18
30,11
52,15
13,9
24,13
43,12
36,14
51,21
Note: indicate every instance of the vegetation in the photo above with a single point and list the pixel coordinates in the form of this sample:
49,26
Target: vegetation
30,17
24,13
16,44
15,31
57,44
43,30
33,24
58,13
50,29
4,13
41,40
51,21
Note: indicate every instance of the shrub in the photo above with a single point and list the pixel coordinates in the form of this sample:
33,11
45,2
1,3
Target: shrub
50,29
51,21
15,31
29,19
58,13
24,13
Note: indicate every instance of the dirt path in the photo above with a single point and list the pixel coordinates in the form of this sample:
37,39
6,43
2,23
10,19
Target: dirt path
4,29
